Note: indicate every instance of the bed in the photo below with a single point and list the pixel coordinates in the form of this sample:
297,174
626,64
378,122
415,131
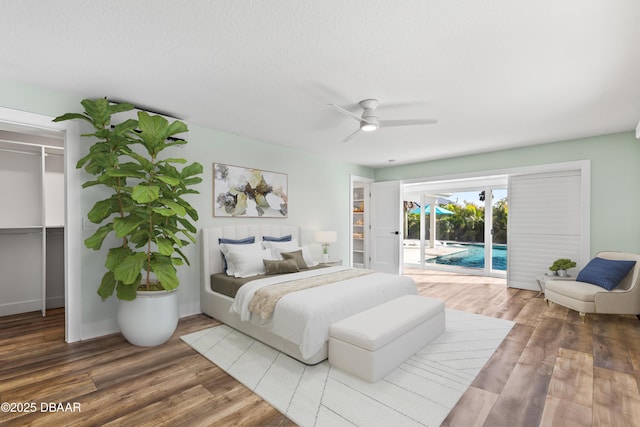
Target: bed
299,324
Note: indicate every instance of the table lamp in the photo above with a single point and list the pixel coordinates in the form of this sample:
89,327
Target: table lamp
325,237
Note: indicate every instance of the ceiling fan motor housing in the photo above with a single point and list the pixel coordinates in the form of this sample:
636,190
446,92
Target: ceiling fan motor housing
369,120
369,123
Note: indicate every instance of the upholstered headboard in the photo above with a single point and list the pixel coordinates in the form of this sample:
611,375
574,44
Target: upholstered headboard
211,258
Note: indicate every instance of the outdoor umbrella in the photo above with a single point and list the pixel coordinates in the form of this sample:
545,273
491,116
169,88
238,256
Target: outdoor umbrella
427,210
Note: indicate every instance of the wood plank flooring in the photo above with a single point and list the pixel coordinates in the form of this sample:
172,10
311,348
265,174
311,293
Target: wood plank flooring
551,370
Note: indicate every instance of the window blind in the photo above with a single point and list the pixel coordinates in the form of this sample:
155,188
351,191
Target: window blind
545,223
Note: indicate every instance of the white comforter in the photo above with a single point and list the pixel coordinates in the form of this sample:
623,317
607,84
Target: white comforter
304,317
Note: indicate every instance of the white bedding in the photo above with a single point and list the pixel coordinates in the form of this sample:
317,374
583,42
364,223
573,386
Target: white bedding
304,317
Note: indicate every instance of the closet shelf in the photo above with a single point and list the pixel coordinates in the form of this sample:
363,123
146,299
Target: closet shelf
29,229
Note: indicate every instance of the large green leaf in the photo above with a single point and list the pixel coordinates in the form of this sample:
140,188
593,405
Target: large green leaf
186,224
121,129
72,116
98,110
153,131
192,181
179,210
166,212
102,210
191,170
129,269
169,180
189,235
145,193
173,237
120,107
177,127
144,162
166,274
88,184
124,226
178,261
116,256
107,285
174,160
95,241
165,246
139,237
126,173
127,292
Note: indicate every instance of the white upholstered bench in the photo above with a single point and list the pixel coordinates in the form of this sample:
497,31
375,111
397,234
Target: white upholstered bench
374,342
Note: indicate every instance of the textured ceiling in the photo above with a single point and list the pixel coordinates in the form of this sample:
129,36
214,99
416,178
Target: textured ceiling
495,73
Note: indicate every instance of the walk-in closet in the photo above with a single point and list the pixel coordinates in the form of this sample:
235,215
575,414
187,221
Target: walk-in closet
31,219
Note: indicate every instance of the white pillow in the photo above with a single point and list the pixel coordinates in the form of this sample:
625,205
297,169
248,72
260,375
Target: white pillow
226,248
247,263
306,254
292,244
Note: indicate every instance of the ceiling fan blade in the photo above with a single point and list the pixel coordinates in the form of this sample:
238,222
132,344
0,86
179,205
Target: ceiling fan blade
351,136
345,112
391,123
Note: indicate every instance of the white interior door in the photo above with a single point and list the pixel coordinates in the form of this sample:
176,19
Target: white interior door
386,224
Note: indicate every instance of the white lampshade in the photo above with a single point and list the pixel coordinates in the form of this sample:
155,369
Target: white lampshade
325,236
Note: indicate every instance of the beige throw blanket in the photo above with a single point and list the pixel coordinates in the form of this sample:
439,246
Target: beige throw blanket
264,301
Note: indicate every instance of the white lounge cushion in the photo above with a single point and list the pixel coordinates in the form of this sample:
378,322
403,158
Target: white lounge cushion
577,290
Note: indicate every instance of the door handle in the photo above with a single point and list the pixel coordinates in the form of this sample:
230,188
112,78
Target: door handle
395,232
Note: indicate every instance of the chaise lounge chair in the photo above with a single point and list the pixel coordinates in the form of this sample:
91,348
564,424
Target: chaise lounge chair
584,297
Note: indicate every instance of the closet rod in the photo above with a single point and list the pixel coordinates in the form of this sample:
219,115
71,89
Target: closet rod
32,153
31,144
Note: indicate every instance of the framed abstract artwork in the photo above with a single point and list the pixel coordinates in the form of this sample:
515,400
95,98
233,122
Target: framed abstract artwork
247,192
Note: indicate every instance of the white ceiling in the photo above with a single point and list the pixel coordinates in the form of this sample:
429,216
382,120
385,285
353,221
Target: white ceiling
495,73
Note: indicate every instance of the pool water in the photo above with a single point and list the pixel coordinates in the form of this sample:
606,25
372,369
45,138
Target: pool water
473,257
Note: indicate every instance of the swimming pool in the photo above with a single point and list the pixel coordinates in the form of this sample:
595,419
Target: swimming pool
472,256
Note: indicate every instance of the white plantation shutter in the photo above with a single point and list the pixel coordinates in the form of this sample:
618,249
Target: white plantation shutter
545,223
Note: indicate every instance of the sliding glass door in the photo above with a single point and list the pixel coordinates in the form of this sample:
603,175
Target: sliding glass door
458,226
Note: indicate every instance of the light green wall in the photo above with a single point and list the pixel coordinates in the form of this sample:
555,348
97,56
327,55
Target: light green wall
319,188
615,180
318,195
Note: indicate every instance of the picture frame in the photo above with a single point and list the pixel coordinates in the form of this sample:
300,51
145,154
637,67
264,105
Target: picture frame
244,192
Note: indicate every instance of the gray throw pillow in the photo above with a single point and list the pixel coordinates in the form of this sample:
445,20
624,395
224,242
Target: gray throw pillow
280,266
297,256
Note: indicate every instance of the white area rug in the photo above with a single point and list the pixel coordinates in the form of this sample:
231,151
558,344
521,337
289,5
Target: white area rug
420,392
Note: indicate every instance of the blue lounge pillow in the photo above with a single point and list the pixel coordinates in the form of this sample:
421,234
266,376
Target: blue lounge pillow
245,241
286,238
606,273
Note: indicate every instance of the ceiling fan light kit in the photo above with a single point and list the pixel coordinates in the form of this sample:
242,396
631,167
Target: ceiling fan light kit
369,121
368,127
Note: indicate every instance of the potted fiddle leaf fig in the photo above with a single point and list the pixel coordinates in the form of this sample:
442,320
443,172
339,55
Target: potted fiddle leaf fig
145,210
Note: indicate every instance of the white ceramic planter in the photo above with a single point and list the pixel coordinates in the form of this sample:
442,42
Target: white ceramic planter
150,319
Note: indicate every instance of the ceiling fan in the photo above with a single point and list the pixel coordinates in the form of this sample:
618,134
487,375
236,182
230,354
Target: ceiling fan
369,120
